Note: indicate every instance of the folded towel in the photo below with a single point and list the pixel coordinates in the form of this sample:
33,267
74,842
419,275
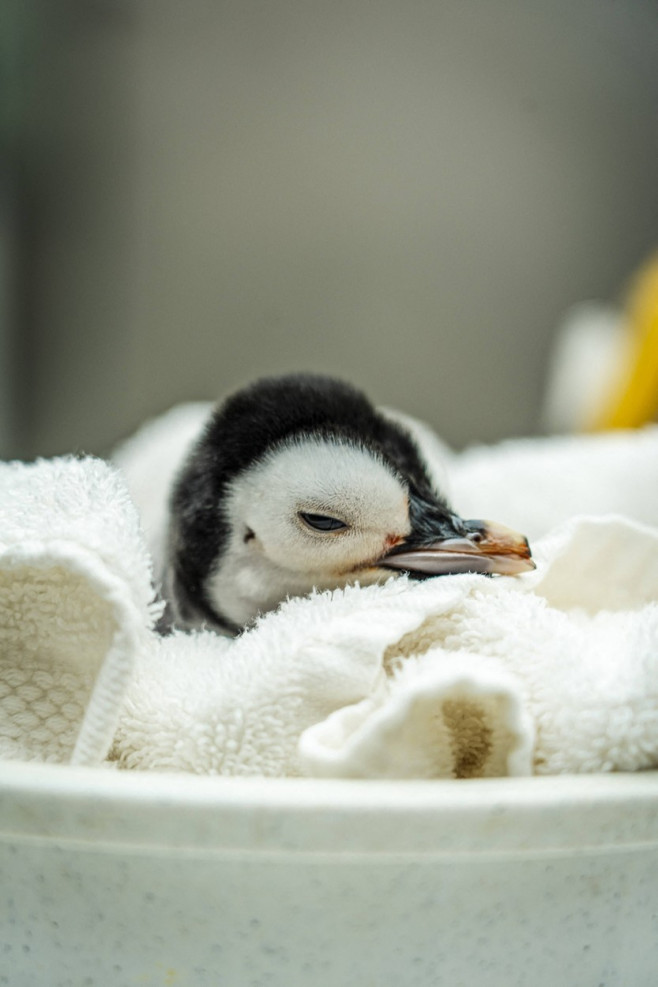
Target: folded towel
209,705
75,605
454,677
460,676
556,671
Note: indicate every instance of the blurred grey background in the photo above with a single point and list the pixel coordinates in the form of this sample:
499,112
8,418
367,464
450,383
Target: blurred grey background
408,194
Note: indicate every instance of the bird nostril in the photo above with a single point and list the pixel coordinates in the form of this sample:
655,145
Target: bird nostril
475,531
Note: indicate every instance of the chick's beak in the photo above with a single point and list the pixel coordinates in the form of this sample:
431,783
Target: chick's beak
478,546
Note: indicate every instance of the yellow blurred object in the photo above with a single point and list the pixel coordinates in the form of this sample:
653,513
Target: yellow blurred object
636,401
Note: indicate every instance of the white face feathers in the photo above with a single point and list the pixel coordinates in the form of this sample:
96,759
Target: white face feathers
275,550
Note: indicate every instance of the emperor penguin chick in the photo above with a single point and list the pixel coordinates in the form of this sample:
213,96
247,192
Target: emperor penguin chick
297,483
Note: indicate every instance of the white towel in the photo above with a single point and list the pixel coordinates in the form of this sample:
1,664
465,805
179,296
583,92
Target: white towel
556,671
533,485
453,677
149,460
75,607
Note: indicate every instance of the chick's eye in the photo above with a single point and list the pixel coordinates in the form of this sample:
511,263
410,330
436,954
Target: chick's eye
320,522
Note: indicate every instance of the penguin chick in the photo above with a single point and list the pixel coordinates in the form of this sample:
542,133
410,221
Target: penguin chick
297,483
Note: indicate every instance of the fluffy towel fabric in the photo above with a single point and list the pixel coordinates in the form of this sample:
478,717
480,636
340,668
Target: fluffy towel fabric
534,485
458,677
554,672
75,592
461,676
209,705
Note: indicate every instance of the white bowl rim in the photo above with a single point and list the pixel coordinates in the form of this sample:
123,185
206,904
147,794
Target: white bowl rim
107,810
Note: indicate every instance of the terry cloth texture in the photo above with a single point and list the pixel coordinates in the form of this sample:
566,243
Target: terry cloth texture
461,676
75,592
453,677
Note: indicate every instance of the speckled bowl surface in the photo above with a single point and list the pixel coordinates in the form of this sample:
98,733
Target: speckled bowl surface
112,878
